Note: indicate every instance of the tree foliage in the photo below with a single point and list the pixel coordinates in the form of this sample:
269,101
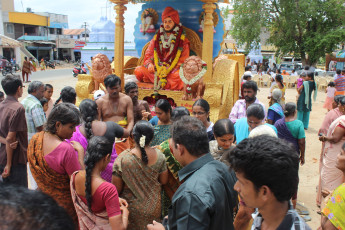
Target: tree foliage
305,28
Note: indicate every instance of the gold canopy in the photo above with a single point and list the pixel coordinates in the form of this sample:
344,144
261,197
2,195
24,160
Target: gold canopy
207,45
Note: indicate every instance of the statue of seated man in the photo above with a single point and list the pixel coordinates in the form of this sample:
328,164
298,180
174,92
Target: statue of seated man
168,49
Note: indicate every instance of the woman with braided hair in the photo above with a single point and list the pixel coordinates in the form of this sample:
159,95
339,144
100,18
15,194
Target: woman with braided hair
91,126
52,160
67,95
138,175
96,201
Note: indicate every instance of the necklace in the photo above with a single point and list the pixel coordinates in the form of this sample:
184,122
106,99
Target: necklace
52,134
189,83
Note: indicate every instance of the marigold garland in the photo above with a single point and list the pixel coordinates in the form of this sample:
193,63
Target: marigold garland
189,83
164,65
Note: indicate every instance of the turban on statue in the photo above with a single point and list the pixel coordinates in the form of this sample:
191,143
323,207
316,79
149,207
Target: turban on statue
172,13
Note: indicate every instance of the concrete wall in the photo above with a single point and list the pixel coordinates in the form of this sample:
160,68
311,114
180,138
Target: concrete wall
56,20
7,5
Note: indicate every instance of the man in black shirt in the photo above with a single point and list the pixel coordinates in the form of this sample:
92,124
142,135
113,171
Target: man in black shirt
206,198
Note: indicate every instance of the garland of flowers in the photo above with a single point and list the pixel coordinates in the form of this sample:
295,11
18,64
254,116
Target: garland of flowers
174,38
164,65
189,83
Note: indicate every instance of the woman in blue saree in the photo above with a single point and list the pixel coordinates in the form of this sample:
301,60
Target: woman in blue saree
275,111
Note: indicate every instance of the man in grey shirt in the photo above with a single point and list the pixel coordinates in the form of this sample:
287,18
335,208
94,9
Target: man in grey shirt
206,198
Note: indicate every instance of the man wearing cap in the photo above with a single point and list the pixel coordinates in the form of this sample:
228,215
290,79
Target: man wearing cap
167,51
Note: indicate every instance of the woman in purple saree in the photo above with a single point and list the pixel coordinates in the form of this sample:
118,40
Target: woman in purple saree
292,130
93,127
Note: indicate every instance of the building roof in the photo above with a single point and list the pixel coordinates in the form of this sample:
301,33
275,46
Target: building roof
28,18
73,31
9,42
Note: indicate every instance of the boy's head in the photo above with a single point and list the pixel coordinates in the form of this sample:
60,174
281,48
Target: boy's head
48,91
12,85
267,170
247,77
44,103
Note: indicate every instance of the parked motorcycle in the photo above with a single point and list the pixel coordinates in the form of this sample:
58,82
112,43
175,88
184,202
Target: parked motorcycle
50,64
8,69
79,70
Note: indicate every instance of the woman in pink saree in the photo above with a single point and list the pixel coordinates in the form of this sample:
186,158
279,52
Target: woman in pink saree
93,127
330,176
337,111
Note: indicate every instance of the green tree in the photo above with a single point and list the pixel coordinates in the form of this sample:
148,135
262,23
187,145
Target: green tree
306,28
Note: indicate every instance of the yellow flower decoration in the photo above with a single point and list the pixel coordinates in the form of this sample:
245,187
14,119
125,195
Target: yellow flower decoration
162,71
326,211
338,198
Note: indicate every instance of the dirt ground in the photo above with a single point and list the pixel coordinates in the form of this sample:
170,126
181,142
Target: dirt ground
308,173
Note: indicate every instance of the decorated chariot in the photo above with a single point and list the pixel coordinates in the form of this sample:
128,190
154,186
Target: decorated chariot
180,44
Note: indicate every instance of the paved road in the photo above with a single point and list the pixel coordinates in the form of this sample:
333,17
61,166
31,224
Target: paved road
59,78
48,75
51,75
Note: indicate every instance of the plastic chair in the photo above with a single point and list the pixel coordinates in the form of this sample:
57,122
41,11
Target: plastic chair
256,78
292,81
266,79
322,83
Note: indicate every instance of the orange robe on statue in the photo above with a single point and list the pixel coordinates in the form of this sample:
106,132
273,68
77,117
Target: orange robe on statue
174,81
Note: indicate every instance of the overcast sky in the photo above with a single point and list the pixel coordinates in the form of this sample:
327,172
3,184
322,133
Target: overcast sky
80,11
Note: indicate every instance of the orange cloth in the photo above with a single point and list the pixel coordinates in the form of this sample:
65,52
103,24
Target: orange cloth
285,73
339,93
174,80
48,180
122,146
172,13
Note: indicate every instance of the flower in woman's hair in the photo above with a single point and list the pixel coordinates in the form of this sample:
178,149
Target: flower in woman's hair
142,141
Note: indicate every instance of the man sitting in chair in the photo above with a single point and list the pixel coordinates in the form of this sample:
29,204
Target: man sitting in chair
166,52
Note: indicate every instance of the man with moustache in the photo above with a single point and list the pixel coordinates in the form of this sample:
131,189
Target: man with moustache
250,89
141,108
166,52
117,107
206,197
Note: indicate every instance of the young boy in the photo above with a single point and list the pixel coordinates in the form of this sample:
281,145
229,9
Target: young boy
48,93
44,103
267,171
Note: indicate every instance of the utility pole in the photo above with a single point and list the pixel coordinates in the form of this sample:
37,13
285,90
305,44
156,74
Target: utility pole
85,25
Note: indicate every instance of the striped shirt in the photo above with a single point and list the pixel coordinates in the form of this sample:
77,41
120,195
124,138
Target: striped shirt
34,114
340,83
291,221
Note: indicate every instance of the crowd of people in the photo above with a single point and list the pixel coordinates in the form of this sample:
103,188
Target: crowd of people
112,163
